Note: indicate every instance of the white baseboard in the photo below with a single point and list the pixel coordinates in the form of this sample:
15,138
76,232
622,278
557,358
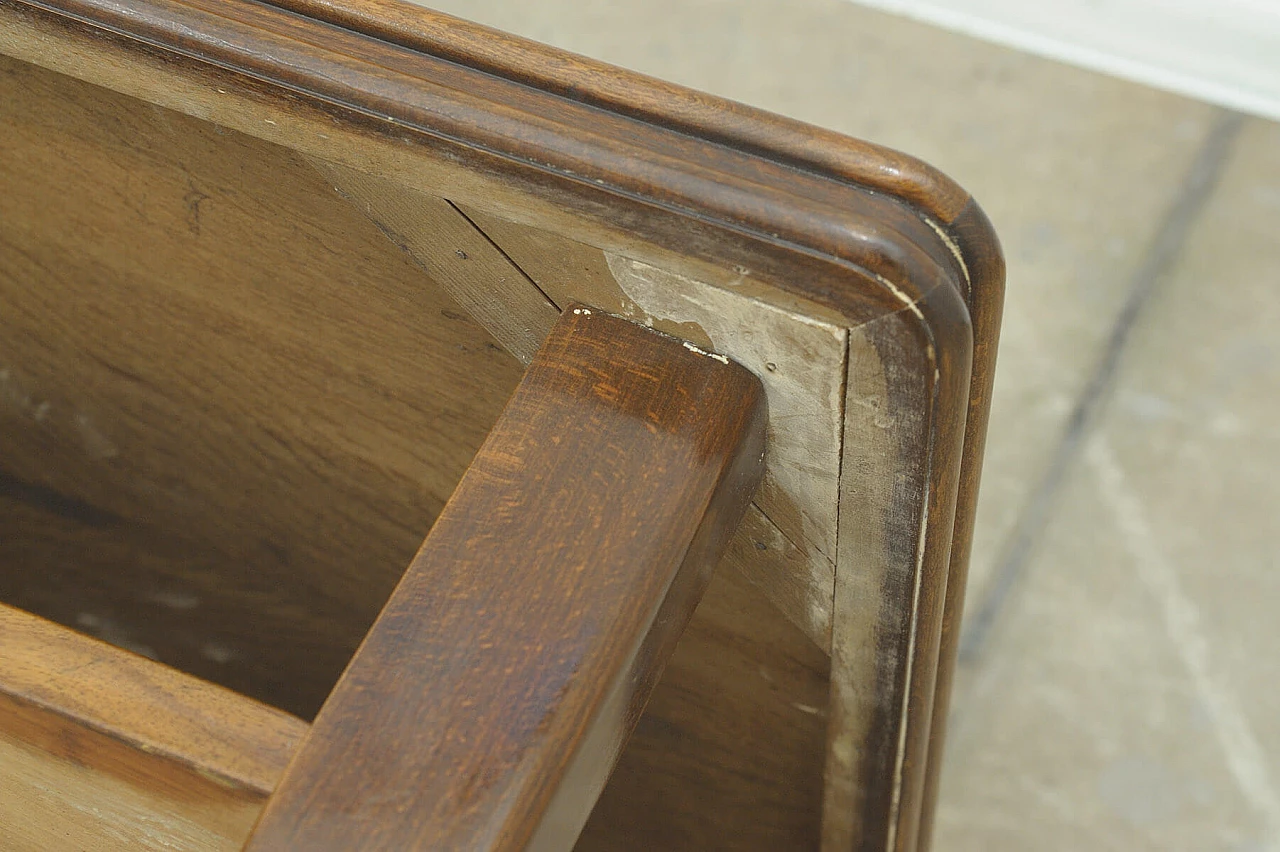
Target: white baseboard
1222,51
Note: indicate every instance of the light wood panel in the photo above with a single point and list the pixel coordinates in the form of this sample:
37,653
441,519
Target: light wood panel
239,406
101,749
473,270
899,481
729,754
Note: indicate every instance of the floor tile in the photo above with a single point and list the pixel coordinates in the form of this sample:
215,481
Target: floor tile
1087,731
1132,698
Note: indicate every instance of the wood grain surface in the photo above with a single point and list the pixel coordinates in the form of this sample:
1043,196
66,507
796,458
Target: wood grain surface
985,300
801,363
900,470
458,255
89,541
491,699
529,150
103,749
230,409
867,241
728,755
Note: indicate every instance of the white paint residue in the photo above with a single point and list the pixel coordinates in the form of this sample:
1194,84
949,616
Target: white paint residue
906,300
217,652
582,311
951,245
1240,746
722,359
15,398
109,631
96,444
799,360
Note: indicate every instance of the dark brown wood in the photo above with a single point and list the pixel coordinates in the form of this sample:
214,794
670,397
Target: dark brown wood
655,101
985,299
492,697
141,756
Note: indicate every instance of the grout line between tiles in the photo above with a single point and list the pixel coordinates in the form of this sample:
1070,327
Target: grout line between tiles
1242,751
1197,186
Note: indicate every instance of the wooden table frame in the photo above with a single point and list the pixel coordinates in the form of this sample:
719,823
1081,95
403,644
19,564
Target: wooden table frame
862,287
490,701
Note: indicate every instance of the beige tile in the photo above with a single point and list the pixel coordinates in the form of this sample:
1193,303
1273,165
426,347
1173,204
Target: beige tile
1197,424
1075,169
1088,732
1132,698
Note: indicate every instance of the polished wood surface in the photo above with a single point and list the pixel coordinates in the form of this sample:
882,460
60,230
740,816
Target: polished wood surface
103,749
985,300
489,702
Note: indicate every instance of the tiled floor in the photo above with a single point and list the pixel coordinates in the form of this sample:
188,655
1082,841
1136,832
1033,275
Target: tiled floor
1120,686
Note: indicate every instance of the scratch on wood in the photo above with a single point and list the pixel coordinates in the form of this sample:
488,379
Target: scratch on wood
193,199
951,246
897,291
687,345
